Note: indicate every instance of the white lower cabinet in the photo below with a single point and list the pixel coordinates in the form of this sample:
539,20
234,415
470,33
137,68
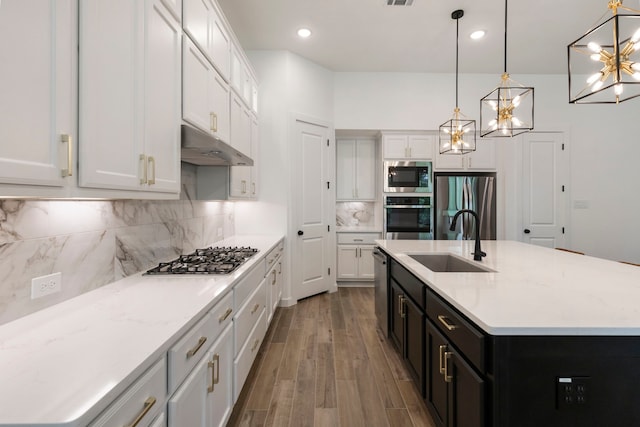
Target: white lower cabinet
274,279
247,354
355,256
160,421
205,397
140,403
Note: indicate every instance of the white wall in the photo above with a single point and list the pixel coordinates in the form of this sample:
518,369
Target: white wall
288,84
604,149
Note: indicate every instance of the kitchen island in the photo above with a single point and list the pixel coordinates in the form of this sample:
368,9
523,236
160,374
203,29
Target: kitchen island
539,338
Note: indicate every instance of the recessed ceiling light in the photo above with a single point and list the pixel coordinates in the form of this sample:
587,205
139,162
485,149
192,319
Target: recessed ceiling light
304,32
477,34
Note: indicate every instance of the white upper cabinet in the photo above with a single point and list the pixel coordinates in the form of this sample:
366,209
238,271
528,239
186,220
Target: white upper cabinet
356,169
204,24
482,159
205,94
418,147
130,85
38,92
243,182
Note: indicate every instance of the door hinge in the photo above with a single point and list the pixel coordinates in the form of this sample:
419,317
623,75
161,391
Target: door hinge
327,142
329,271
562,230
563,146
563,188
327,185
328,228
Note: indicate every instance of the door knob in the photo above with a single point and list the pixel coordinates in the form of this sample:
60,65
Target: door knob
527,231
300,232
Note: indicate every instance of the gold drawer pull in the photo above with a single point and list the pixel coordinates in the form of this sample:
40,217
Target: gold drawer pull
195,349
447,323
447,357
148,404
255,344
152,167
143,173
214,364
68,139
443,348
273,281
255,308
225,315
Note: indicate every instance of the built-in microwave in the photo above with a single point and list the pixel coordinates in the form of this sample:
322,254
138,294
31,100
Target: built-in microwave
407,177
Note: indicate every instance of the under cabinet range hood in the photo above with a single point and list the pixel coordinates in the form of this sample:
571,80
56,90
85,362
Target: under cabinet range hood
202,149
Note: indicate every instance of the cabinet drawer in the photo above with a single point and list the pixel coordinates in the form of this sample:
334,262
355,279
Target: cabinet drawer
357,238
273,254
248,315
469,340
184,355
244,360
142,401
411,285
242,290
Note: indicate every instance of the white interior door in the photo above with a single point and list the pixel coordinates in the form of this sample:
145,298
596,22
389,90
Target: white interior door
312,210
543,189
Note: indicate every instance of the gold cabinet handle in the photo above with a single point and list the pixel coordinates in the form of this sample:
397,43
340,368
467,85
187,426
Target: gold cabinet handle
253,188
214,122
443,348
447,357
225,315
280,267
273,281
447,323
143,174
216,359
212,364
255,308
195,349
152,166
68,139
255,344
148,404
401,306
244,187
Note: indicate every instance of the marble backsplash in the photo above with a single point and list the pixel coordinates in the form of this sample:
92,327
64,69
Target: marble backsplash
94,243
356,214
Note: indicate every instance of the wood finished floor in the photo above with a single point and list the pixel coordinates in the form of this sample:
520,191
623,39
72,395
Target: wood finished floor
325,362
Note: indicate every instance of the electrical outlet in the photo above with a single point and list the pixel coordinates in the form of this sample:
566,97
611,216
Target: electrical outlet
46,285
572,392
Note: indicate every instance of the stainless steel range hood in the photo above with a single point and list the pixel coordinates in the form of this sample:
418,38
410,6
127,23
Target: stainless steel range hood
202,149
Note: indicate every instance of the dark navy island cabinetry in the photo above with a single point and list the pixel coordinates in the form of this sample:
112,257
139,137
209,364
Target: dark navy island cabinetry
471,378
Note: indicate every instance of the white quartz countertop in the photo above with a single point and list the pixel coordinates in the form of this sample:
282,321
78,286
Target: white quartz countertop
534,290
63,365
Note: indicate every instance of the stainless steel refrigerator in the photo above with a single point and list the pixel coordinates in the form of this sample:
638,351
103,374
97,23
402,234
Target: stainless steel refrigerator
464,190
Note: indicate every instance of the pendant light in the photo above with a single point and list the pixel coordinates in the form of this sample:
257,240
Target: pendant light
508,110
457,135
603,63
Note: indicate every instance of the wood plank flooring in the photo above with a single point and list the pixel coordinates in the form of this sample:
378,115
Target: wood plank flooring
325,362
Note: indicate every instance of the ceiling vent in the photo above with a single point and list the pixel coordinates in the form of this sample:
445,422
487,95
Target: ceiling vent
399,2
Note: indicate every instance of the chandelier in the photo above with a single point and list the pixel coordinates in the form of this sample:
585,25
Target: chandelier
457,135
602,63
508,110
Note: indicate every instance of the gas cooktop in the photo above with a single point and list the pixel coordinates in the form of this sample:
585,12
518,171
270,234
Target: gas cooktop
211,260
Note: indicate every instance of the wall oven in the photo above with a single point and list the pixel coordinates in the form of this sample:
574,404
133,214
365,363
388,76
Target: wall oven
407,217
407,177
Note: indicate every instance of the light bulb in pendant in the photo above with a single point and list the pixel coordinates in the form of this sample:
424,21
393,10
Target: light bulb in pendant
594,77
618,89
594,47
597,85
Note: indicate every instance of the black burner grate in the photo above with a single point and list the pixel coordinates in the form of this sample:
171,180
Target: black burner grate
211,260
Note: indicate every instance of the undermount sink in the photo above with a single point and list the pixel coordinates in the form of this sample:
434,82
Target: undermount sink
448,263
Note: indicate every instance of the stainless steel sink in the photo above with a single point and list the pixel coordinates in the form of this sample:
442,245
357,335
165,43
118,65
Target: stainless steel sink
449,263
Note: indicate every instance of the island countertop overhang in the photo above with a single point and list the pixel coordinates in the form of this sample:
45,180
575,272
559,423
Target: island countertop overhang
533,290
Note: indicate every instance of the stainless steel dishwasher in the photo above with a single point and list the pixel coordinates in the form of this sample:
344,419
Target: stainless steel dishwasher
380,289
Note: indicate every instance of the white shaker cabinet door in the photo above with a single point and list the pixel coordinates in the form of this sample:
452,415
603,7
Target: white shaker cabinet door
111,94
163,47
37,90
365,170
345,174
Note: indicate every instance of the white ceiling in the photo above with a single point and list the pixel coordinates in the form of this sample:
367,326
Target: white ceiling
368,35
